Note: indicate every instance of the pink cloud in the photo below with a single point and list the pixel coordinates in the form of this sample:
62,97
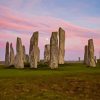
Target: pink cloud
11,37
95,20
10,22
15,21
2,44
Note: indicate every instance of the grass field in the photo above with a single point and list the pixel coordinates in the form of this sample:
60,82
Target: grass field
68,82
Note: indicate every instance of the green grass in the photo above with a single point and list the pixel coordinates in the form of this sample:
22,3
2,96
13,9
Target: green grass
66,69
68,82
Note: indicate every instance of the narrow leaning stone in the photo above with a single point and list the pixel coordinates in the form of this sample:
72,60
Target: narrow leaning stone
33,41
19,62
86,55
61,45
12,56
54,50
91,59
47,53
7,57
34,52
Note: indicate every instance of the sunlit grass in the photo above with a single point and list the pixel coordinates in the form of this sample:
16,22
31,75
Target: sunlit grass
45,70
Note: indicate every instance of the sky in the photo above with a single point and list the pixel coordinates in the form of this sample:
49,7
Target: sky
79,18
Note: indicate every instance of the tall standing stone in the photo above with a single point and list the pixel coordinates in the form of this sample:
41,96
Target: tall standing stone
54,50
91,58
47,53
34,57
19,62
12,57
86,55
61,45
34,52
33,41
7,57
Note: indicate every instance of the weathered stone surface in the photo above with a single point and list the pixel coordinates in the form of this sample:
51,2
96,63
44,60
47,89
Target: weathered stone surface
7,56
27,58
91,60
34,57
95,58
47,53
54,50
19,62
33,41
61,45
38,55
12,56
24,54
34,52
86,55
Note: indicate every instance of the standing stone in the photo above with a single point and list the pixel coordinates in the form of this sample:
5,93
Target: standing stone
34,52
33,41
47,53
91,59
7,58
12,57
54,50
79,59
27,58
38,54
19,62
34,57
24,54
86,55
95,59
61,45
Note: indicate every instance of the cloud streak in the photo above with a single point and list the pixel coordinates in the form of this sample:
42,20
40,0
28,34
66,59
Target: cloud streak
14,24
